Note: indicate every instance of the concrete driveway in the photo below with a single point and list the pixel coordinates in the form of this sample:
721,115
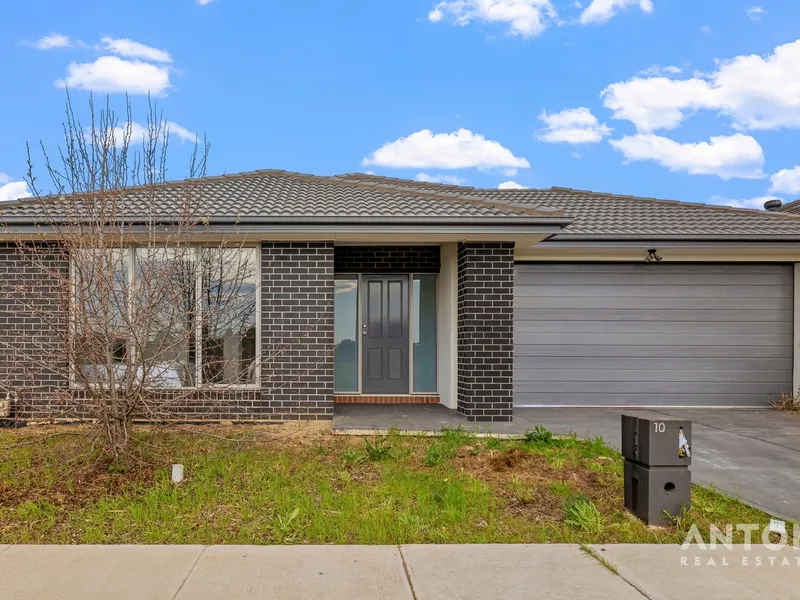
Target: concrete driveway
752,454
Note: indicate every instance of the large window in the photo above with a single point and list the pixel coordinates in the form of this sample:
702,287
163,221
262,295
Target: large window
423,331
345,335
172,317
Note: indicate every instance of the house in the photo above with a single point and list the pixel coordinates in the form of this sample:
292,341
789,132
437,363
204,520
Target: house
479,299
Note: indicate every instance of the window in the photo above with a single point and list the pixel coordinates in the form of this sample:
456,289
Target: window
228,308
345,335
423,330
181,316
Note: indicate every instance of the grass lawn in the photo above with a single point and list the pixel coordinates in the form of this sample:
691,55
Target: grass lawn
296,484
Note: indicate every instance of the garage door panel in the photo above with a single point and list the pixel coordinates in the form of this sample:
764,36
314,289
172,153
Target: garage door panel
667,400
656,351
654,277
649,315
656,327
739,269
776,302
664,375
653,335
646,291
671,339
648,388
525,363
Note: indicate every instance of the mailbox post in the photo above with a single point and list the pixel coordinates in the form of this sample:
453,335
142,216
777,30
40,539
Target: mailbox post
657,456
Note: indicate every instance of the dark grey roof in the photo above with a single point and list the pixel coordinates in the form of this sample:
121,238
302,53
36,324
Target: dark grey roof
279,197
792,208
609,216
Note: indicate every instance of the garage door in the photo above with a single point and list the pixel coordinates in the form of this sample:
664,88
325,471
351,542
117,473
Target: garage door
652,334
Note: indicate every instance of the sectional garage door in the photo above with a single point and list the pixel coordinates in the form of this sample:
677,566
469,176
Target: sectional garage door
652,334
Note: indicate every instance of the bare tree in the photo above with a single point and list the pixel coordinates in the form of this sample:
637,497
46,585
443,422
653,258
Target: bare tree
132,318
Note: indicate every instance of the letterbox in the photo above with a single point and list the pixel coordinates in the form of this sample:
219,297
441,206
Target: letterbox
657,442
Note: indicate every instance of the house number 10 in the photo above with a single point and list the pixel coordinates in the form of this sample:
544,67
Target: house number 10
659,427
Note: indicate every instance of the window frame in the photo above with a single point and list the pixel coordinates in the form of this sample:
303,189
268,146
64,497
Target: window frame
129,252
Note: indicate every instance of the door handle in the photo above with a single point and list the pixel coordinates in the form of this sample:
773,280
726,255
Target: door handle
364,330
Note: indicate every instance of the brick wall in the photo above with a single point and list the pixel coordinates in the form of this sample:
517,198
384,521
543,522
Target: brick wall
32,328
486,330
387,259
297,329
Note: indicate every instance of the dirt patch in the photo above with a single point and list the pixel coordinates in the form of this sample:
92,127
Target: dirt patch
532,488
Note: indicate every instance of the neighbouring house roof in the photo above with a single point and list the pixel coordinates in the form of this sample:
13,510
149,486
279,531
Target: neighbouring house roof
279,197
609,216
283,197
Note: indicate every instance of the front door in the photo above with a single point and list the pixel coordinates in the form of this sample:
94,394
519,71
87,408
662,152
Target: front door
385,334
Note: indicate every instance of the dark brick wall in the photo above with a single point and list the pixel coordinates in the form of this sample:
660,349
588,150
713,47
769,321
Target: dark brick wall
486,330
32,328
387,259
297,329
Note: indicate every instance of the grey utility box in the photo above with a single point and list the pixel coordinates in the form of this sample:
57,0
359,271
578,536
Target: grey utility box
657,456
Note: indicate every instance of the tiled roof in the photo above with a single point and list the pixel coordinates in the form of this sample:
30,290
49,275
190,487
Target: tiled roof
599,215
791,208
282,197
279,196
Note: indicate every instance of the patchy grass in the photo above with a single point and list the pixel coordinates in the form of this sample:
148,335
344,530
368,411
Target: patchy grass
262,485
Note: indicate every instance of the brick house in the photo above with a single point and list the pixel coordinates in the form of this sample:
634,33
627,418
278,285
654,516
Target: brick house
390,291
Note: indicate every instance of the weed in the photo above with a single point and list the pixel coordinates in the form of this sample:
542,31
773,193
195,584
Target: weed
352,457
560,488
377,449
582,514
786,403
284,527
539,435
445,447
492,443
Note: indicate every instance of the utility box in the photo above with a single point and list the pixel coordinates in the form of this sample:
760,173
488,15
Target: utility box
657,455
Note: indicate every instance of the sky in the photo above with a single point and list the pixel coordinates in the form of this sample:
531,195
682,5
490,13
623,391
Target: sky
693,100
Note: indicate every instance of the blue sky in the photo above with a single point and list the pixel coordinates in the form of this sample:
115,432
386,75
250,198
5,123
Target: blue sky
679,99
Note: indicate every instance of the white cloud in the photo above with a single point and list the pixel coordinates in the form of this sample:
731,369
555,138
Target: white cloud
56,40
659,71
727,157
461,149
449,179
755,92
204,2
183,134
14,190
600,11
526,18
786,181
705,29
511,185
110,74
4,178
755,13
757,202
573,126
132,49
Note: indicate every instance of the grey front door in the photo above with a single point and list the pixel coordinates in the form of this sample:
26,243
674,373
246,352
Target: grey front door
385,334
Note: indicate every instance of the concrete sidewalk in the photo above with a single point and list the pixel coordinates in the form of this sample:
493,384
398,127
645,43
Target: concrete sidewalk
618,572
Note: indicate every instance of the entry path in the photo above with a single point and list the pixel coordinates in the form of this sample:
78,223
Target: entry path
613,572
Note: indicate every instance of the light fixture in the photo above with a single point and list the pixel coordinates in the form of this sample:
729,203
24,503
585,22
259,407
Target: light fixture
652,256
